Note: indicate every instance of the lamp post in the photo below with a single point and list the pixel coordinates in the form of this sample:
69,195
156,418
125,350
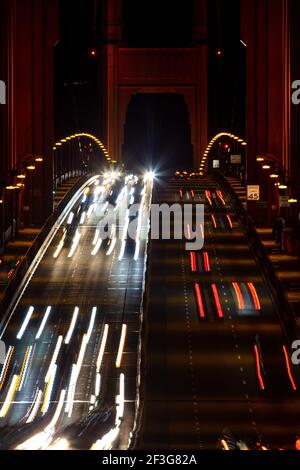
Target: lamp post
282,180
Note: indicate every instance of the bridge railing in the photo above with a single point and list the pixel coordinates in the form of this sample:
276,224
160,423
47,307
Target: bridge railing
77,154
287,313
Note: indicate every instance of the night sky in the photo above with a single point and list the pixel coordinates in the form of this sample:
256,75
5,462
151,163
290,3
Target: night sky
150,24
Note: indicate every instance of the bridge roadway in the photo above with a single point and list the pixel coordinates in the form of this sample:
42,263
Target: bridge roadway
113,287
201,374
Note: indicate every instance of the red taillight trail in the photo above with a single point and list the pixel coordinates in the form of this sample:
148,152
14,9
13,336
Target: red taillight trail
254,296
258,368
239,295
199,301
288,367
217,301
193,262
206,262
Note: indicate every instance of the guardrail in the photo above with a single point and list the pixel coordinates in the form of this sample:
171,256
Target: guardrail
15,283
287,314
141,361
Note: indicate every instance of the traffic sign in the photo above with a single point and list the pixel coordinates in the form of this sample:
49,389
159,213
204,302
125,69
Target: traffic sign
253,192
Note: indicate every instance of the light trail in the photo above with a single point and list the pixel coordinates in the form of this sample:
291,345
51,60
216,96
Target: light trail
97,234
36,442
120,401
107,441
258,368
113,240
59,247
199,301
54,358
98,191
91,324
121,195
71,390
111,247
71,218
220,196
229,221
74,376
139,227
239,296
25,366
36,405
98,385
25,323
60,444
121,347
102,348
217,301
82,352
137,250
214,221
10,396
49,389
254,296
288,367
224,444
82,218
75,244
97,247
90,210
122,251
72,325
6,366
208,197
206,261
193,262
43,324
57,413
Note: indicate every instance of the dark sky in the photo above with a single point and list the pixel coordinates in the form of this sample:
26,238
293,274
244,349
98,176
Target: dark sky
153,23
157,23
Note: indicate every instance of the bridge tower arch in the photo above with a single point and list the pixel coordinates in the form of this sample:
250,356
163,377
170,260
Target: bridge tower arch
126,71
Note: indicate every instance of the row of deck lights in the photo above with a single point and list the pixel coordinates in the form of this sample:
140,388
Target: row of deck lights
20,174
266,166
88,136
212,143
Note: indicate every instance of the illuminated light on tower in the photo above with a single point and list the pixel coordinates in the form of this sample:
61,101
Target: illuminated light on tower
93,53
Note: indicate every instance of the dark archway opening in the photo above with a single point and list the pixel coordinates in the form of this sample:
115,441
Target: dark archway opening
158,132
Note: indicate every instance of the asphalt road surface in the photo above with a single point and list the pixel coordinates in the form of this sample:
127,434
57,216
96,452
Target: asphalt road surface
74,382
217,369
216,373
